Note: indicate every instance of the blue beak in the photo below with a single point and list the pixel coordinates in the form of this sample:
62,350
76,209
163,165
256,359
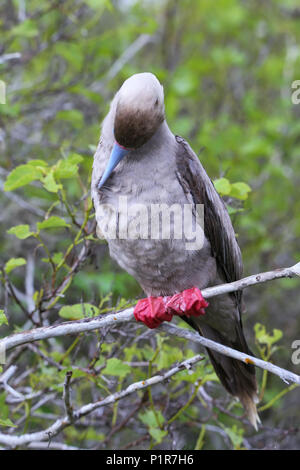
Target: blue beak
116,156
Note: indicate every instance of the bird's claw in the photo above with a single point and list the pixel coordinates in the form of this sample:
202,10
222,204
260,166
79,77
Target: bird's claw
154,310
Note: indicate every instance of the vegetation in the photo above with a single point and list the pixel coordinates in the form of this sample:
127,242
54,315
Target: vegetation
228,73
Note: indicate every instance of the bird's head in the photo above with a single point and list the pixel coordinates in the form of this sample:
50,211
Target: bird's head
139,113
139,110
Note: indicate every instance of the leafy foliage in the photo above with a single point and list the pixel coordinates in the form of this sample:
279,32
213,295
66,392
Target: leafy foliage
227,74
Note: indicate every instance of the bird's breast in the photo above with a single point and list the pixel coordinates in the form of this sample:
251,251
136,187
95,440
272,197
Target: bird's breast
154,236
150,223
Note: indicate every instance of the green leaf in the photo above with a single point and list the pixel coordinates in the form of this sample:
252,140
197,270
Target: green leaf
132,352
74,159
168,356
74,116
72,52
78,311
99,5
158,434
26,29
235,434
21,176
184,82
20,231
50,183
233,210
38,163
14,263
3,319
68,168
223,186
7,422
150,419
52,222
57,257
116,367
263,337
256,147
240,190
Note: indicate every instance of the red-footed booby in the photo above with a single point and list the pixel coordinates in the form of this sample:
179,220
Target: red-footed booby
139,163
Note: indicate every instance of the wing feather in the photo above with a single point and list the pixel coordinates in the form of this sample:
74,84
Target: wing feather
218,228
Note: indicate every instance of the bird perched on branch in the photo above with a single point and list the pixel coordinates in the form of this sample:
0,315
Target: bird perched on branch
144,176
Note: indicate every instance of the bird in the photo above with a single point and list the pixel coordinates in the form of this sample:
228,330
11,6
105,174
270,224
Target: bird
140,163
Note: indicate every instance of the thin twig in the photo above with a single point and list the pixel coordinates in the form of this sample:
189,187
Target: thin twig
122,424
60,424
127,56
29,283
66,395
7,57
136,442
53,446
21,202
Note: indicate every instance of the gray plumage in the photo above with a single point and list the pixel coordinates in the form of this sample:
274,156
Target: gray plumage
162,169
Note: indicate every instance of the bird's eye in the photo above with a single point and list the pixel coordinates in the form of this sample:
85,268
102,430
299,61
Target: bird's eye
156,102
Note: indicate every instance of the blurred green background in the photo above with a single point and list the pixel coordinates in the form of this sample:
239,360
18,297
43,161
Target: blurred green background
227,68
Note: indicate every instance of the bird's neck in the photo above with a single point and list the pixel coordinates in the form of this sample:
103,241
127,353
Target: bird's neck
163,138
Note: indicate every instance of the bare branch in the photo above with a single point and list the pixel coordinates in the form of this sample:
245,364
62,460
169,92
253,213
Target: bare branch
29,283
60,290
249,281
75,327
8,374
284,374
7,57
20,201
60,424
51,446
127,56
66,396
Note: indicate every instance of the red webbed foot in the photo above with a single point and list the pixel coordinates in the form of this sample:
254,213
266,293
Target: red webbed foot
189,302
154,310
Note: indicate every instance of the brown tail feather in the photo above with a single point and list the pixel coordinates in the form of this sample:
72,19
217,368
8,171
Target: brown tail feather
237,377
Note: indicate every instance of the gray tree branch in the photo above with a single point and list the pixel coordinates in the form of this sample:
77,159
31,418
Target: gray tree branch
67,420
89,324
